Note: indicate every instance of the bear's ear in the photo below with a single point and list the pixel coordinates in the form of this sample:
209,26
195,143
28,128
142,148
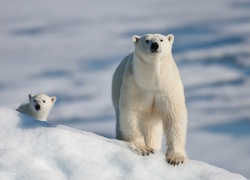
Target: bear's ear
135,39
30,96
170,38
53,99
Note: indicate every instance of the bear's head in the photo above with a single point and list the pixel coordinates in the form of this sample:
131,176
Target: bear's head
41,102
153,46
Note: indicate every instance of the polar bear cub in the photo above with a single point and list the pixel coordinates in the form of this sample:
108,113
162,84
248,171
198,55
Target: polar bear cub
38,107
148,98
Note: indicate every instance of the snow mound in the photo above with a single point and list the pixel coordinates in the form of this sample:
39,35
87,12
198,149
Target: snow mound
31,149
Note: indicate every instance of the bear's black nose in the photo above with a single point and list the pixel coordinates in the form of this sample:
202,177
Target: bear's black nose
38,107
154,46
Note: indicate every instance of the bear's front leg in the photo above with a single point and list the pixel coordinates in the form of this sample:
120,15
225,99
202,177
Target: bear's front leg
131,132
176,136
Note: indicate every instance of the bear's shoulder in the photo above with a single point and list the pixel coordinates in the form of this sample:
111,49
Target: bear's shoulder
24,108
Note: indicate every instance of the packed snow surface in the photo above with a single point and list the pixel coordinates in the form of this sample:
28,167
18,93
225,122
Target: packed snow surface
32,149
70,49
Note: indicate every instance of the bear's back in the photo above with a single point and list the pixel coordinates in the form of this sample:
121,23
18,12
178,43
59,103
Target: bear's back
24,109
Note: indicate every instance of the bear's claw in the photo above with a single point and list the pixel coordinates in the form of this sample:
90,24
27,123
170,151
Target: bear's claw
174,158
146,151
143,151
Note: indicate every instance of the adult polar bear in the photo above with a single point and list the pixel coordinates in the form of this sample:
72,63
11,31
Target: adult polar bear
148,96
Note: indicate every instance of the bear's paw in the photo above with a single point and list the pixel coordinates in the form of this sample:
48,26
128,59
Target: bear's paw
141,150
175,158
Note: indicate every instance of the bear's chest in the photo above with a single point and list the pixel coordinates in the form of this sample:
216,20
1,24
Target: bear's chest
151,79
154,103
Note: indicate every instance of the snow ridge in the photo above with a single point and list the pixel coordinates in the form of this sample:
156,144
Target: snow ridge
32,149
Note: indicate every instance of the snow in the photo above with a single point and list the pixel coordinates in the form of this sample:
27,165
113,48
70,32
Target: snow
70,49
32,149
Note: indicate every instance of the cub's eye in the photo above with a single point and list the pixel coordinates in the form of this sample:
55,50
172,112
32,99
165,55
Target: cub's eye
147,41
34,100
161,40
44,101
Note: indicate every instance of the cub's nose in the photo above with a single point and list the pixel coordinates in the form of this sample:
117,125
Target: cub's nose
154,46
38,107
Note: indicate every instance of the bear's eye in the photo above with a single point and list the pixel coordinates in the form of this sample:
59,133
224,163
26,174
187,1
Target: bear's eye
147,41
44,101
161,40
34,100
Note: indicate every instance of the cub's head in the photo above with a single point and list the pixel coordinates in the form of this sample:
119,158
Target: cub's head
41,102
153,45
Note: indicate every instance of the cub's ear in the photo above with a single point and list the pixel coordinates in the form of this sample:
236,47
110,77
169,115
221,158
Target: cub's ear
170,38
30,96
53,99
135,39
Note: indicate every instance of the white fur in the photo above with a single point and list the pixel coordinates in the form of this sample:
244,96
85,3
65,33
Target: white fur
148,97
41,100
